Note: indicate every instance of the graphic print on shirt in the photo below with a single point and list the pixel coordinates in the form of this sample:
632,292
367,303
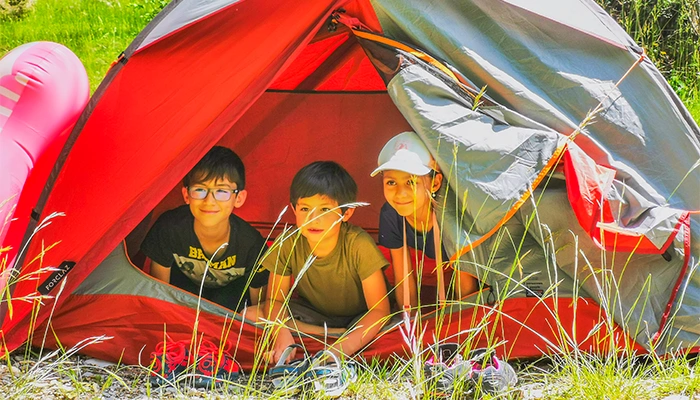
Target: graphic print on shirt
219,274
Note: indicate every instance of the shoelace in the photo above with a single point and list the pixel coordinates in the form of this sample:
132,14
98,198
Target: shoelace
333,377
175,353
493,362
211,359
495,374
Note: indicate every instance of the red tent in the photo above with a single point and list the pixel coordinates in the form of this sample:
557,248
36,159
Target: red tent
282,84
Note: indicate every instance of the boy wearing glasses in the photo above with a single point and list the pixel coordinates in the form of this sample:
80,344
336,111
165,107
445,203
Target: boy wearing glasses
203,243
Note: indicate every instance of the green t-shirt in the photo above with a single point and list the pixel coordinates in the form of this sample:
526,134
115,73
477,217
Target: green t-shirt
332,284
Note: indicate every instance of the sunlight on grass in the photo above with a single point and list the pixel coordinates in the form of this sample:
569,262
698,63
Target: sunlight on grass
594,377
96,31
694,108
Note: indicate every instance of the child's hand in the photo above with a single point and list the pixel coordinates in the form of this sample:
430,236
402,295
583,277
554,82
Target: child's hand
284,340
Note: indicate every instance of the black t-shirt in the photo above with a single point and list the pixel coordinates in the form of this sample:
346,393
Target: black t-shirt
172,242
390,226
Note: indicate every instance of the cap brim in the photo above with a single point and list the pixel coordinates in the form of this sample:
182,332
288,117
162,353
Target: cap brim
401,165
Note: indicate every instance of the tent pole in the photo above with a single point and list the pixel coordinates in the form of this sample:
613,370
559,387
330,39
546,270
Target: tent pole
406,286
438,261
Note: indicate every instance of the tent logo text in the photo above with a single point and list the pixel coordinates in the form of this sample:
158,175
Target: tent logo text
56,277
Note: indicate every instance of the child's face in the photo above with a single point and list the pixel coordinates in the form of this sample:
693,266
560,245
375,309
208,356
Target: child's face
210,212
319,219
408,194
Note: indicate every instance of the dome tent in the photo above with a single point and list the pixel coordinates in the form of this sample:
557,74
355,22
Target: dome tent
283,85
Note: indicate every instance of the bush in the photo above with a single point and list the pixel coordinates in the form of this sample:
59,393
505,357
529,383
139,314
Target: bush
14,9
669,31
148,9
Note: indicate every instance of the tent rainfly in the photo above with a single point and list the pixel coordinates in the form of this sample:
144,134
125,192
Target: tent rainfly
571,166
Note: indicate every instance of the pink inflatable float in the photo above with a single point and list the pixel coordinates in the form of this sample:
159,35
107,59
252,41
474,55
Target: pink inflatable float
43,89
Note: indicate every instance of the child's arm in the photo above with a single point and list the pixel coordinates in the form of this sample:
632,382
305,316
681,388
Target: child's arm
160,272
402,273
255,295
275,309
278,291
368,326
466,284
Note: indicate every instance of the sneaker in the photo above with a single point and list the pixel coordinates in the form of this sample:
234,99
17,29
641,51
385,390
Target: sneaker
210,366
492,375
439,368
213,365
169,361
481,370
288,379
332,378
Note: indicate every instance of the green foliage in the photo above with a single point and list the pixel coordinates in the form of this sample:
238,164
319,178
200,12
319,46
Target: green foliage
694,108
669,31
97,31
594,377
148,9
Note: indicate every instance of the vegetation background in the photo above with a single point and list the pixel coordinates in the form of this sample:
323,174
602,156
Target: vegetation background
99,30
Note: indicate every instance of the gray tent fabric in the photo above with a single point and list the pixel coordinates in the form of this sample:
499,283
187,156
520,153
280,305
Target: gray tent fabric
544,69
116,275
185,14
554,74
490,166
501,164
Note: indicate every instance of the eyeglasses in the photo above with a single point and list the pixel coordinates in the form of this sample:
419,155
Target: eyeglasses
201,193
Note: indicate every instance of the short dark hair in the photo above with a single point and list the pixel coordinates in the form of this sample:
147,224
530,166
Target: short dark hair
326,178
219,163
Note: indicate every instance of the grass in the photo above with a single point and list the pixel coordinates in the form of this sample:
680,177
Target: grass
568,375
97,31
693,106
554,378
669,31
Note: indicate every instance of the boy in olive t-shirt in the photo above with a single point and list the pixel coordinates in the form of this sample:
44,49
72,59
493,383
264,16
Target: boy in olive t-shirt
336,267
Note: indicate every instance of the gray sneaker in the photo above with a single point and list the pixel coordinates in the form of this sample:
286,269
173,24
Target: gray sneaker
491,374
481,370
330,376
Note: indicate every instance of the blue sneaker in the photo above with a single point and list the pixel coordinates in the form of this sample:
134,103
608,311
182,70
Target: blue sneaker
288,379
173,360
213,365
169,361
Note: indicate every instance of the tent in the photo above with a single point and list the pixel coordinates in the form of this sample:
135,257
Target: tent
582,231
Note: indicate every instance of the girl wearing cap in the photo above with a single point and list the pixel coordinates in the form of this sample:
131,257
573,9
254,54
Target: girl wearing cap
411,180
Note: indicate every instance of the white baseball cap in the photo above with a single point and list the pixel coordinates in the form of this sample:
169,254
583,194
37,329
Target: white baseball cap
405,152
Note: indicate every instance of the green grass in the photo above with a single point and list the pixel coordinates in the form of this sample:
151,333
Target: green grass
694,108
669,31
97,31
